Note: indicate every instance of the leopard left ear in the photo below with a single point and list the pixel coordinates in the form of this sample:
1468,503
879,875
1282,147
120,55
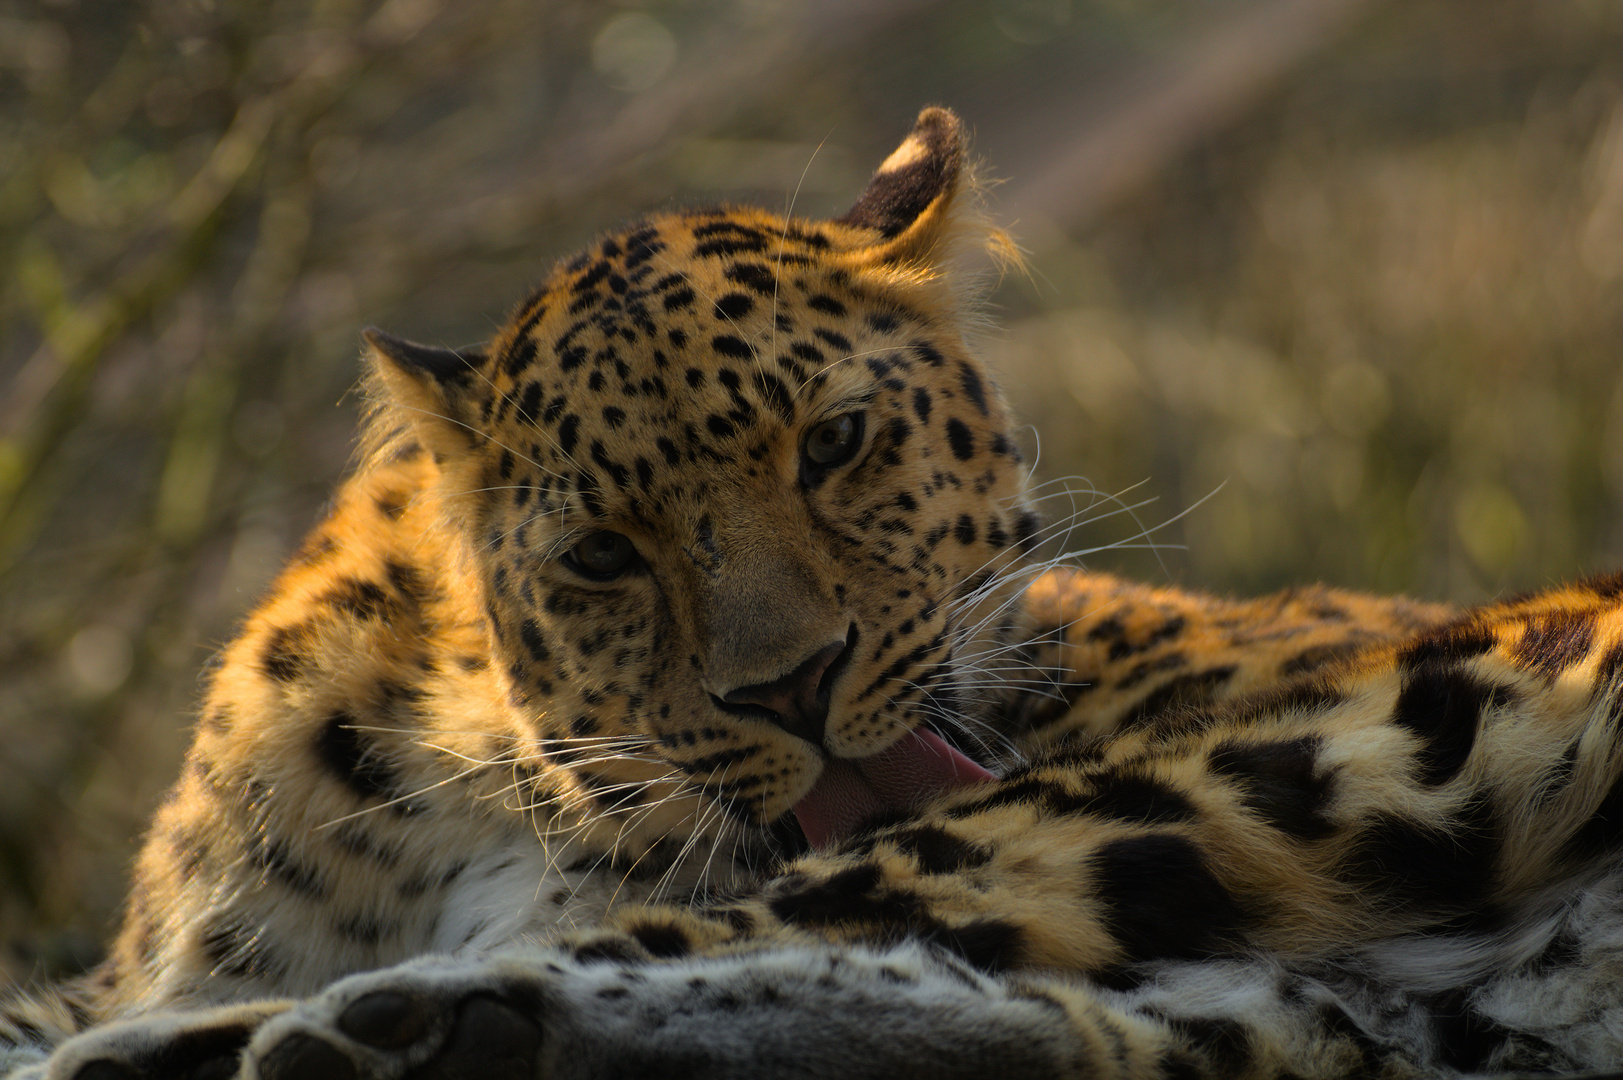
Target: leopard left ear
433,387
909,199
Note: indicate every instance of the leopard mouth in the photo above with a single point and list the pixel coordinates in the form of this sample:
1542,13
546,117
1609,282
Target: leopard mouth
900,777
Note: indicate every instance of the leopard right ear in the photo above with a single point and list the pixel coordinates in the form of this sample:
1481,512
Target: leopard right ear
909,201
435,388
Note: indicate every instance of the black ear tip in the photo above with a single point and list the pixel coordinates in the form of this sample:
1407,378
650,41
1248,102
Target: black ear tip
382,342
925,166
940,129
442,365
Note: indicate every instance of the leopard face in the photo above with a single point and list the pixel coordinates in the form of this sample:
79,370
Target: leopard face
739,501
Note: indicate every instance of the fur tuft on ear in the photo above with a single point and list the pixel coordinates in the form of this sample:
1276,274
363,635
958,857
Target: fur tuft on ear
924,170
423,388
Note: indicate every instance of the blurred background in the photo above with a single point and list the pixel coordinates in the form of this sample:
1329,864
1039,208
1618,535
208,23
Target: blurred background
1334,288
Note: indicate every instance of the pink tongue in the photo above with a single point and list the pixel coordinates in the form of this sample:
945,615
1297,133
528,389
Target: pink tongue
899,777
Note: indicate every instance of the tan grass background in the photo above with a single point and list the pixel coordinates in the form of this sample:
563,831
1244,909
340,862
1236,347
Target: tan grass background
1337,284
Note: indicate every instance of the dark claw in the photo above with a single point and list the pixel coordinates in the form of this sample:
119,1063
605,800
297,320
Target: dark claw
106,1070
489,1041
386,1020
223,1067
304,1057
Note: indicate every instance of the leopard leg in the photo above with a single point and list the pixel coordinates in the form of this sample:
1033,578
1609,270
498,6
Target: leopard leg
851,1012
825,1011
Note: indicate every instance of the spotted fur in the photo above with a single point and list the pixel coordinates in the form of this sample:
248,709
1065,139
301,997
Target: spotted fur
730,504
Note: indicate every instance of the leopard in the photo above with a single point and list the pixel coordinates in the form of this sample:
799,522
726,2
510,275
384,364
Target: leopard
680,685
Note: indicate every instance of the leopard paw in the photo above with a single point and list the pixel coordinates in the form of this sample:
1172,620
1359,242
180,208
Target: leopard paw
205,1044
426,1020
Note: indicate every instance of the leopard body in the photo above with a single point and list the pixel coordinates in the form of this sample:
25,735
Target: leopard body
591,735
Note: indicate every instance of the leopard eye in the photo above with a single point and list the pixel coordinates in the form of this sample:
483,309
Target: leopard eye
601,556
834,441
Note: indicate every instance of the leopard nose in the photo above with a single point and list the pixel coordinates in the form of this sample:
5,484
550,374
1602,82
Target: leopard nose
797,702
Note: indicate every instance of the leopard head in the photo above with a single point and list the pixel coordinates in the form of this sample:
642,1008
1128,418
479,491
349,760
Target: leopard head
742,505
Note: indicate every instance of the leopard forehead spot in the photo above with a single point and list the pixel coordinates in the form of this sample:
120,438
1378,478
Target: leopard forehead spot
707,353
680,367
